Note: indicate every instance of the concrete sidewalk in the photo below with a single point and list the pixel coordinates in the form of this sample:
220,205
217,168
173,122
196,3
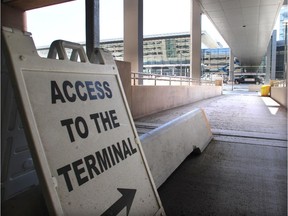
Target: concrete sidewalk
243,171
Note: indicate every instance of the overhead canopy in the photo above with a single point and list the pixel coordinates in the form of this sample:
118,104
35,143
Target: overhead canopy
32,4
246,25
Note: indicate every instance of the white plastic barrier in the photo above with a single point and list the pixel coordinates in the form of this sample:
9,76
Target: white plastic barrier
167,146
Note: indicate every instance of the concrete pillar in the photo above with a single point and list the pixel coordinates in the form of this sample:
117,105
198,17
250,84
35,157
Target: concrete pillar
195,38
92,26
133,34
271,59
268,64
273,55
285,53
13,17
231,66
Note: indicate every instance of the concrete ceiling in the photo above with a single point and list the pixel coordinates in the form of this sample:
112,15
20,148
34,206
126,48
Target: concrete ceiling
25,5
246,25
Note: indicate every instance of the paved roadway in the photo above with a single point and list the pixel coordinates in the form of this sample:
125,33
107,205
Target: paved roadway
243,171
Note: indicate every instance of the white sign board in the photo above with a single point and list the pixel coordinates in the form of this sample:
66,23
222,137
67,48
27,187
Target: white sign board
83,138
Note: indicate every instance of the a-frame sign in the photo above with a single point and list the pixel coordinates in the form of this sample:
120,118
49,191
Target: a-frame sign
81,134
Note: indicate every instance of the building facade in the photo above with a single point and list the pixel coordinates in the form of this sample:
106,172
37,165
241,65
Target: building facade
283,16
280,56
162,54
170,55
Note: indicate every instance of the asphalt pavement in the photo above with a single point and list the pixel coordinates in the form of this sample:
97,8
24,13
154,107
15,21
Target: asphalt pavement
243,170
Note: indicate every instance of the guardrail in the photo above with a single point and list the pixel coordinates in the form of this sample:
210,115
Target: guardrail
279,83
157,79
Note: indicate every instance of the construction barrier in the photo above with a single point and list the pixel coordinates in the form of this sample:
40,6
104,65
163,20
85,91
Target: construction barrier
265,90
167,146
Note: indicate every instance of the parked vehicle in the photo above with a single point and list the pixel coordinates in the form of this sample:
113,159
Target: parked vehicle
248,79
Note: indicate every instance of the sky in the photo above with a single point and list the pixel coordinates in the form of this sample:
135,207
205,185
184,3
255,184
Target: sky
67,21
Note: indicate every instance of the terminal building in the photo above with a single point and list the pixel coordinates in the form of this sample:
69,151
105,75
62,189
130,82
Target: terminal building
169,54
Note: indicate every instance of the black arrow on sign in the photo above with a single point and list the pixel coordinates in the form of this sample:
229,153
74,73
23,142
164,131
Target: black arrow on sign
126,200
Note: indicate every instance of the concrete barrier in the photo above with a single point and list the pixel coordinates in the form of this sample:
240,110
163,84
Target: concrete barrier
167,146
147,100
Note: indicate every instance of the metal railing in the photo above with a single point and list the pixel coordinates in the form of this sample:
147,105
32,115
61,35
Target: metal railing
279,83
157,79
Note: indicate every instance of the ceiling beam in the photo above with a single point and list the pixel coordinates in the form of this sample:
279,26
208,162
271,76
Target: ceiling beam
25,5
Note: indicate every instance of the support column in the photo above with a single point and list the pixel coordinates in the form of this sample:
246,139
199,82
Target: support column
268,64
92,26
133,34
195,40
13,17
285,54
273,55
231,66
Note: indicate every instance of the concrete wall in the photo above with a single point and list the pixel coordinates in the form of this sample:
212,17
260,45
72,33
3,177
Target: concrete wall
145,100
151,99
279,94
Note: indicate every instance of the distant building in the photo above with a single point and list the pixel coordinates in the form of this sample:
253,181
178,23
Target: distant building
283,18
280,45
169,54
280,54
216,59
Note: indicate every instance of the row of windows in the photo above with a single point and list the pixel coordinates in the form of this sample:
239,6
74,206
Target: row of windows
177,51
171,55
